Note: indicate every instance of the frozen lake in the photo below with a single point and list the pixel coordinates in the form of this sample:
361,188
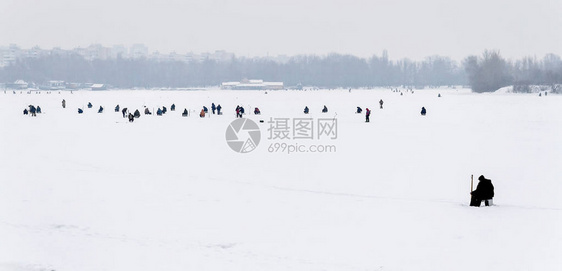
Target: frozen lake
95,192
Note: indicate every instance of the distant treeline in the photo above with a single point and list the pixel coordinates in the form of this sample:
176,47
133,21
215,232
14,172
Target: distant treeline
484,73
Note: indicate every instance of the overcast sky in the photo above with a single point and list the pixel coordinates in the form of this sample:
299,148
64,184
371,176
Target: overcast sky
406,28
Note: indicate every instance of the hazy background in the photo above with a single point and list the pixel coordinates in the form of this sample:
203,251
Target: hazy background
407,28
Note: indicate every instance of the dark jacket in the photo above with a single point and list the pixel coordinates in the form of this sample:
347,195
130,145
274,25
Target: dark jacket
484,189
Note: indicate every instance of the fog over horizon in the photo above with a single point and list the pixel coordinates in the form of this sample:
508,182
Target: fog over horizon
250,28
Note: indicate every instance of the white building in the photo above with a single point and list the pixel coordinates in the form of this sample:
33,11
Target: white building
252,85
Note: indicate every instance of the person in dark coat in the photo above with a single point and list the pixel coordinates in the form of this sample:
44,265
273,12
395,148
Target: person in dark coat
100,110
131,117
325,110
80,111
205,109
173,107
306,109
146,111
63,103
367,114
213,108
137,114
184,114
359,110
423,111
164,110
257,111
32,110
117,108
38,109
89,105
381,102
25,112
484,191
238,114
124,111
219,107
159,112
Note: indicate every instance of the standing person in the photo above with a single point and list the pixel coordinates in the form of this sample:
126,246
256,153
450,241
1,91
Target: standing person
202,114
423,111
32,110
213,107
381,102
63,103
367,114
325,109
484,191
184,114
306,109
131,117
219,107
124,111
173,107
117,108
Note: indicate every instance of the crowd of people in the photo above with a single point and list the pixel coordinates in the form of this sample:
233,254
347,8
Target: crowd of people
215,109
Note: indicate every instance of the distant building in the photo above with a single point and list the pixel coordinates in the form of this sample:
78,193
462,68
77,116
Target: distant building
19,84
54,85
98,87
9,55
73,85
252,85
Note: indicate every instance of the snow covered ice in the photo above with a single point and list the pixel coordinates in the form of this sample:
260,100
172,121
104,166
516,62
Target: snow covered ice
95,192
